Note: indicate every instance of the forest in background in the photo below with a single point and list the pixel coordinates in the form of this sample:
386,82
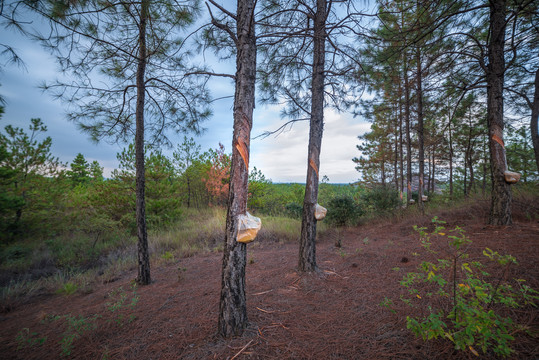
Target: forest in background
68,218
452,87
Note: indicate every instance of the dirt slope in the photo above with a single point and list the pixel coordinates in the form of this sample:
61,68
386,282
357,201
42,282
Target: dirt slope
332,315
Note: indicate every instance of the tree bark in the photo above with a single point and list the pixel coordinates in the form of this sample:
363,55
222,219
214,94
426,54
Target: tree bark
307,245
470,167
500,212
143,253
401,146
420,130
383,170
450,161
232,306
465,174
534,121
396,159
407,123
433,176
485,160
429,168
188,192
468,158
408,135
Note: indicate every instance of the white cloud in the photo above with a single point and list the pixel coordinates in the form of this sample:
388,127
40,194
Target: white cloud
284,158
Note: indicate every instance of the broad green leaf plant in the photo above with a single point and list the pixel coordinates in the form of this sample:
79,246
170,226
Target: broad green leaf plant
464,303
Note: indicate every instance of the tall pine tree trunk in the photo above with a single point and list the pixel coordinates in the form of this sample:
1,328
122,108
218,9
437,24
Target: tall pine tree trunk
433,176
143,253
450,161
401,146
470,167
408,135
407,123
485,162
534,121
307,246
500,212
233,306
429,169
396,159
420,130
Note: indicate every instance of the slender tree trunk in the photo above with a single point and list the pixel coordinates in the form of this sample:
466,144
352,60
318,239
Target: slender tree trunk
465,174
396,159
524,161
307,246
467,156
420,130
450,161
233,305
401,146
143,252
470,167
433,178
429,169
407,125
534,121
383,172
500,212
188,192
485,160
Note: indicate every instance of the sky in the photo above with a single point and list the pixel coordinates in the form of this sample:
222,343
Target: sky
281,158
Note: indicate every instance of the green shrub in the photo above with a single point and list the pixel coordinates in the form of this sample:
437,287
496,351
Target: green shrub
68,288
463,306
27,339
294,210
342,211
381,199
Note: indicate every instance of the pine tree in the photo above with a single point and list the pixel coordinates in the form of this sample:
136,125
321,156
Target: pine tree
79,173
134,46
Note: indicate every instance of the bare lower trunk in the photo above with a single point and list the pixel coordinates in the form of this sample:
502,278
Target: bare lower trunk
534,121
500,212
420,131
472,179
407,124
188,193
408,135
143,253
383,170
396,159
450,161
307,245
465,175
485,160
429,169
233,305
433,176
401,146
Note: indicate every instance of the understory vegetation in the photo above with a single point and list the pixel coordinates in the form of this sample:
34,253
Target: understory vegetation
66,226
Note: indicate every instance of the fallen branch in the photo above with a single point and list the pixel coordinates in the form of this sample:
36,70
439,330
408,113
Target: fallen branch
263,292
242,350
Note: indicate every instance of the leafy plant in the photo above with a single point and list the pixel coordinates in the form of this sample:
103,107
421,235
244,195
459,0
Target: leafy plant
120,300
381,198
77,326
26,338
168,256
342,210
470,310
69,288
388,303
294,210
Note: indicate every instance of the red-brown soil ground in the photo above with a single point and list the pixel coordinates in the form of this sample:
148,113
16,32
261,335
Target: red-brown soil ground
335,314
